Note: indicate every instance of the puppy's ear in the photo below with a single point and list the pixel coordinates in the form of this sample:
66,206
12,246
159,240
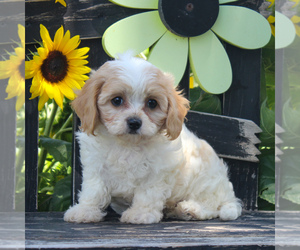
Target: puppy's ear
85,104
178,108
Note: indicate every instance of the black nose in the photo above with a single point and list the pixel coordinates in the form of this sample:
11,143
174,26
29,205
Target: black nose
134,124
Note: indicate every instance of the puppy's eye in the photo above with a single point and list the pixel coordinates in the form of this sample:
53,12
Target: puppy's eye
117,101
152,103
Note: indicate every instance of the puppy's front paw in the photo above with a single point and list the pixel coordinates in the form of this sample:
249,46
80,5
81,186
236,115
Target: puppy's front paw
83,214
135,216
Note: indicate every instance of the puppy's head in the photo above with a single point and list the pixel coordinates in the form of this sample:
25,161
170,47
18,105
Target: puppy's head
130,96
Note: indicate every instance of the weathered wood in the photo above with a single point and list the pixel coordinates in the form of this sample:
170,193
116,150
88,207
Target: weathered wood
89,19
48,230
7,150
231,137
12,230
11,14
287,230
47,13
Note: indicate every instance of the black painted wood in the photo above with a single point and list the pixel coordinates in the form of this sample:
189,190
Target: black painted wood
48,13
76,164
235,143
254,230
243,100
31,149
243,97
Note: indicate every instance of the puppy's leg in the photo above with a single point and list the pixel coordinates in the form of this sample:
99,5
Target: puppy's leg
192,210
93,199
147,205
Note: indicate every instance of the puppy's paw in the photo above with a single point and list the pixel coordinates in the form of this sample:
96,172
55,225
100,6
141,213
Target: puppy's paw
135,216
230,211
83,214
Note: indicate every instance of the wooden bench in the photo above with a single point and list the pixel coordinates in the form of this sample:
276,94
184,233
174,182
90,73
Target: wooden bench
240,120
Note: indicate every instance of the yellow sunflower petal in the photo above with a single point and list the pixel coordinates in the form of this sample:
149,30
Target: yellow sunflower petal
20,53
58,38
66,91
5,69
78,53
62,2
72,44
43,99
77,63
50,89
64,41
21,33
20,100
81,71
58,97
47,41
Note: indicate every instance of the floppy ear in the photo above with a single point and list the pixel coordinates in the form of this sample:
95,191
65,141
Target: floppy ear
178,108
85,104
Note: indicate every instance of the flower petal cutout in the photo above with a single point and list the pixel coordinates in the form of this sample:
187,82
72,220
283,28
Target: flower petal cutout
284,30
137,4
170,54
210,63
136,33
226,1
242,27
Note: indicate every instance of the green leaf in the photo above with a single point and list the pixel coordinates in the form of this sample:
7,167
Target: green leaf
290,176
291,125
267,175
204,102
60,150
267,124
61,198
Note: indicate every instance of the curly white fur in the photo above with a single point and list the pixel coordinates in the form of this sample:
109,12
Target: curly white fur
158,169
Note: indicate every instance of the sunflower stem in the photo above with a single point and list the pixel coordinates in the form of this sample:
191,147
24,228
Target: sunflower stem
47,131
63,127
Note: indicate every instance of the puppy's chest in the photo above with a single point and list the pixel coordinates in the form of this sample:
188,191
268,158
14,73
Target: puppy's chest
127,166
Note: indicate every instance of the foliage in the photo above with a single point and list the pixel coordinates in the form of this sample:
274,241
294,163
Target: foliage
290,162
54,193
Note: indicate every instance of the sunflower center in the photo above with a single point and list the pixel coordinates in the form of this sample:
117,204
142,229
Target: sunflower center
21,69
188,18
55,66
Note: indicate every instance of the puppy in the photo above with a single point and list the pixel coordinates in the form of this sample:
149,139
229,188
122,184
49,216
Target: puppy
137,155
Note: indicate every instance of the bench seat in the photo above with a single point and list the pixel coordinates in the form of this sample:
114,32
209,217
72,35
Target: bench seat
251,231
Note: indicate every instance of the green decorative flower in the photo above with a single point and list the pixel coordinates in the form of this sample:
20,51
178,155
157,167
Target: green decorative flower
183,30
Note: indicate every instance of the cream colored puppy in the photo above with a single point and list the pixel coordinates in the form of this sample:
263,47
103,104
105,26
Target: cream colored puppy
137,155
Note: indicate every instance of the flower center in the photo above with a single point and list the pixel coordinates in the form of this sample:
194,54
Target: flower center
55,67
188,18
21,69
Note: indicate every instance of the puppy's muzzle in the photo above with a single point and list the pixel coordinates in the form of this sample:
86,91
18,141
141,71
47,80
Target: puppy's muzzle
134,124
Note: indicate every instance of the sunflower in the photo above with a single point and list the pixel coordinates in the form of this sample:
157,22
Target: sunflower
14,70
58,69
183,30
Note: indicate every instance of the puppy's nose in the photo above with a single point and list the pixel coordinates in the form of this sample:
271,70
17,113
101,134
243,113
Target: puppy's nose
134,124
